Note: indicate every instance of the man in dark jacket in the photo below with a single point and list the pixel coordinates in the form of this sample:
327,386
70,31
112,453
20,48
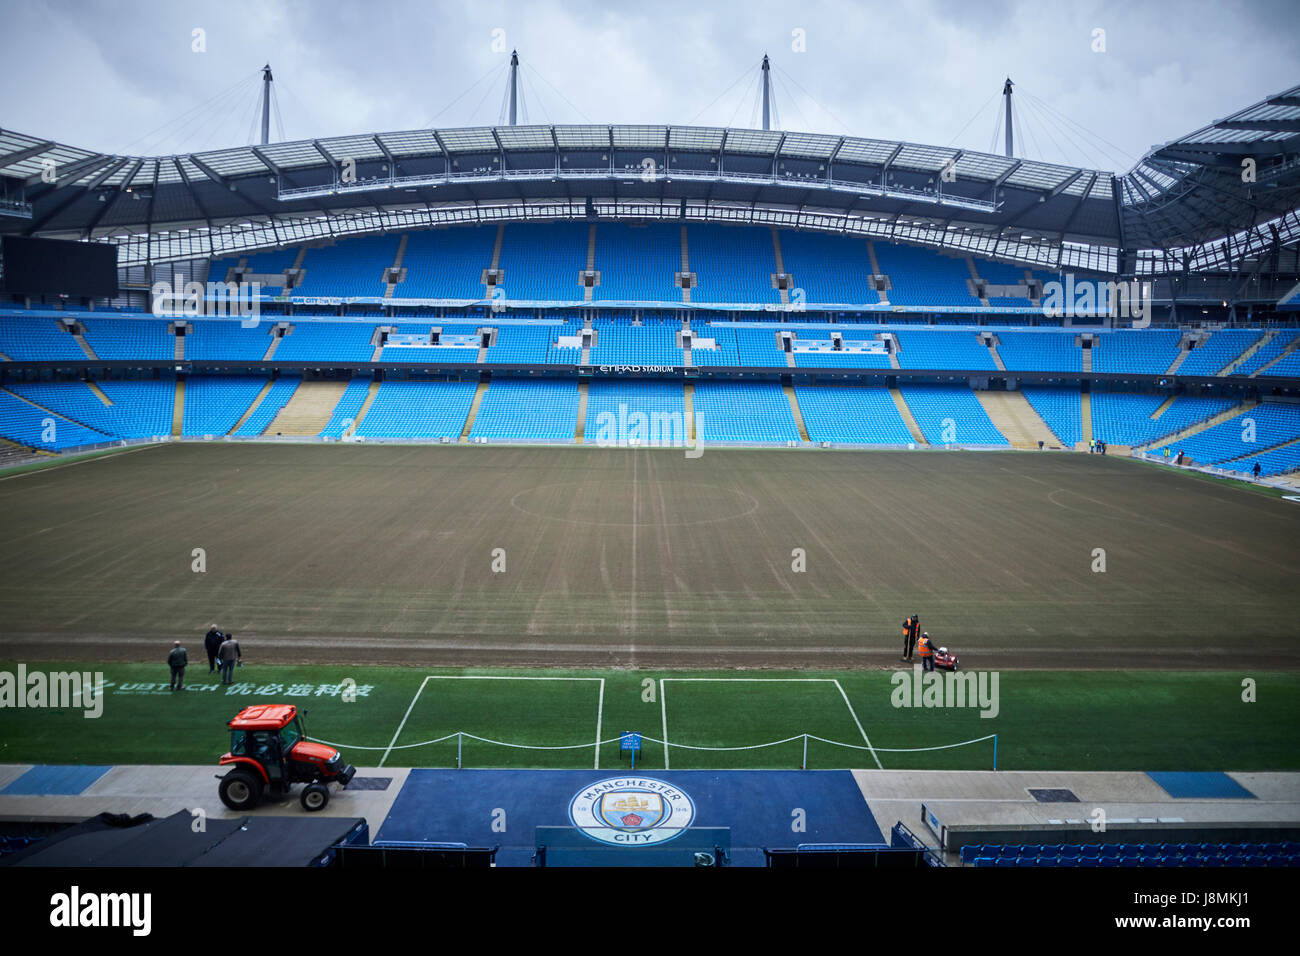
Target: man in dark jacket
229,654
176,660
911,627
212,644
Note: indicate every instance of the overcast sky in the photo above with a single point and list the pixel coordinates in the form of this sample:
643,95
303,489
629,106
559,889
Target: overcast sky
124,77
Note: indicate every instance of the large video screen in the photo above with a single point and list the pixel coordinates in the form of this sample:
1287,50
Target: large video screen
58,267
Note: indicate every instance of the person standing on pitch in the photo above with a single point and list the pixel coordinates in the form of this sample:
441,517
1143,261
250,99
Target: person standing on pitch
176,660
910,627
229,654
926,649
211,644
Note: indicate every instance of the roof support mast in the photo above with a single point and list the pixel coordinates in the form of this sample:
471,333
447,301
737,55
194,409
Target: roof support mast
514,84
767,82
266,104
1006,95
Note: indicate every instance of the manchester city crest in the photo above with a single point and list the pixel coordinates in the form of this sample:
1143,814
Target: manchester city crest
632,811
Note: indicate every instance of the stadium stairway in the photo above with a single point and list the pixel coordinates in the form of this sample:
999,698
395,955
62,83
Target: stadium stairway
1295,343
178,408
580,430
1015,418
248,412
1164,407
178,350
993,353
881,294
688,402
85,346
974,280
1184,350
478,400
1199,427
906,413
1244,356
309,410
1086,366
794,407
398,273
364,410
99,394
1085,414
686,264
270,349
588,292
780,268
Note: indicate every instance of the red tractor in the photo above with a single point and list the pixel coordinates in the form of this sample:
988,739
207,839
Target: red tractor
270,752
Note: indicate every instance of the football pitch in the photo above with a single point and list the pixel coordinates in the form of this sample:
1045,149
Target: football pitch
556,719
581,557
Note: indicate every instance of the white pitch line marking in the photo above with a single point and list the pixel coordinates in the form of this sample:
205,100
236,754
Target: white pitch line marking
874,755
663,707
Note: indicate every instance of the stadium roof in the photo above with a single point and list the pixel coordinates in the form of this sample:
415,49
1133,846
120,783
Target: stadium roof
1184,205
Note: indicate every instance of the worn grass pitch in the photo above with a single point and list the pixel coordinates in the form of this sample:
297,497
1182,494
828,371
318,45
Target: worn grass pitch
627,558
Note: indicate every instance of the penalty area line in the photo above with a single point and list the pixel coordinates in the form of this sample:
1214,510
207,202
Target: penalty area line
854,715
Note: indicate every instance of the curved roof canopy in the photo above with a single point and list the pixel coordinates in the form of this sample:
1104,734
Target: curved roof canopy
1175,209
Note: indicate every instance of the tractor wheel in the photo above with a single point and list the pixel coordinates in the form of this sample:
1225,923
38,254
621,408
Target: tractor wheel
314,797
240,790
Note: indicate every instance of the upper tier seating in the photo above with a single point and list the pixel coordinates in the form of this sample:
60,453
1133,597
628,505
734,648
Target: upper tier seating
829,269
1147,352
943,350
924,277
1267,352
353,267
1040,352
447,263
130,338
1221,348
542,261
638,263
325,341
35,339
214,339
732,264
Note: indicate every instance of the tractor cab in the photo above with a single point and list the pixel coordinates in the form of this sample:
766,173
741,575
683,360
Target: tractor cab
269,751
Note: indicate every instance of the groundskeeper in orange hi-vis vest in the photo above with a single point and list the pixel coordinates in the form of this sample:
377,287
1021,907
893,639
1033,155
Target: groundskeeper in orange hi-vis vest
926,648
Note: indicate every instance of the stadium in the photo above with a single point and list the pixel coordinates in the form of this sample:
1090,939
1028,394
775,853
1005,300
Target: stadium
549,464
